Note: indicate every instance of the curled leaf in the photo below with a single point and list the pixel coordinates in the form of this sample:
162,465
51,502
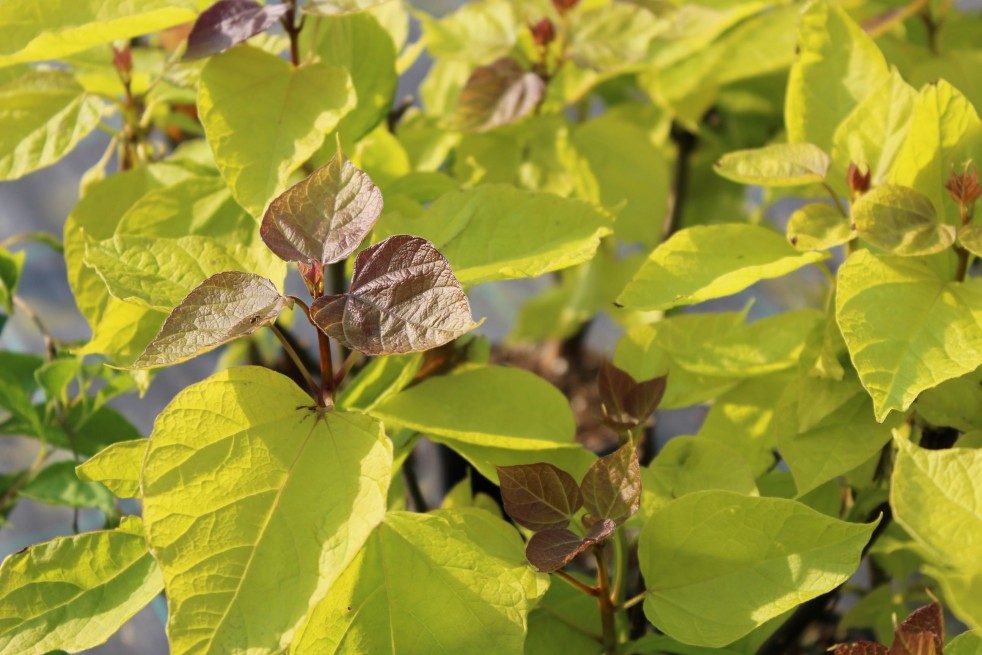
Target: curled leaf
224,307
228,22
324,217
539,496
498,94
403,298
627,403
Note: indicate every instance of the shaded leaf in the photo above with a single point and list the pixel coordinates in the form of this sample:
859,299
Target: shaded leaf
497,94
403,298
818,226
627,403
901,221
224,307
228,22
336,7
324,217
117,466
552,549
73,593
786,164
612,487
970,238
921,633
711,261
539,496
55,376
565,621
967,643
861,648
57,484
11,265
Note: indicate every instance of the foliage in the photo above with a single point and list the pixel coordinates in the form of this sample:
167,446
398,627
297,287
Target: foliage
635,156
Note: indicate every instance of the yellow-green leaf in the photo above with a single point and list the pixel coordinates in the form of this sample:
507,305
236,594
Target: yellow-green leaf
117,466
970,238
901,221
818,226
784,164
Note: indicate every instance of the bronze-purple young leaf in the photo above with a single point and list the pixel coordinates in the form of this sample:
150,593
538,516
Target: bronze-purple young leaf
539,496
497,94
861,648
627,403
224,307
921,633
612,486
324,217
551,550
228,22
403,298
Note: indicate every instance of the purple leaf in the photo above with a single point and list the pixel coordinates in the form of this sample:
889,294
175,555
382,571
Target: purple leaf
550,550
539,496
324,217
627,403
498,94
861,648
403,298
228,22
921,633
224,307
612,486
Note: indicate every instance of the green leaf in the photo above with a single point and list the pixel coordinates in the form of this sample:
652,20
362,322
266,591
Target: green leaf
961,591
403,298
718,564
223,308
159,273
258,144
712,261
55,376
17,385
565,621
44,115
539,496
378,381
428,583
325,217
11,265
970,238
785,164
818,226
498,94
612,486
901,221
493,416
967,643
242,453
117,466
899,319
498,232
43,30
73,593
57,484
612,36
475,33
838,66
956,403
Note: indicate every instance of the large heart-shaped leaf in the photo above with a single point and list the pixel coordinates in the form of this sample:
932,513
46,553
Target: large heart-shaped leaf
901,221
403,298
324,217
251,495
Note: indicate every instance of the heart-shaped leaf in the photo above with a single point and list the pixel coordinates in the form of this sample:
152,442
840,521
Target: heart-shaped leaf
324,217
403,298
228,22
539,496
498,94
551,550
612,487
902,221
818,226
224,307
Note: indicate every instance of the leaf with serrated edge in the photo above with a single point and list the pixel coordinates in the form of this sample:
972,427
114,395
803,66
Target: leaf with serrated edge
711,261
224,307
612,487
117,466
73,593
551,550
324,217
497,94
757,558
901,221
251,495
228,22
403,298
539,496
818,226
786,164
907,329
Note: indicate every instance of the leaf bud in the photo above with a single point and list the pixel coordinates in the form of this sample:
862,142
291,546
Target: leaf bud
964,187
543,32
859,183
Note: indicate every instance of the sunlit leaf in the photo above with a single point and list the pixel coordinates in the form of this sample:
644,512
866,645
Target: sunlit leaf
786,164
117,466
11,265
901,221
970,238
228,22
612,486
818,226
497,94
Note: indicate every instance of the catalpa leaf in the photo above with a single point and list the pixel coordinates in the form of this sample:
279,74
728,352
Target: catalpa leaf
612,486
337,7
901,221
711,261
551,550
57,484
921,633
403,298
539,496
117,466
224,307
818,226
228,22
786,164
970,238
900,319
497,94
73,593
324,217
861,648
627,403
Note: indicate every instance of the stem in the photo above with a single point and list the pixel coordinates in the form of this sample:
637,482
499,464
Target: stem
412,485
345,368
628,604
605,604
327,369
24,479
686,143
965,212
292,30
49,343
297,361
620,565
576,584
835,197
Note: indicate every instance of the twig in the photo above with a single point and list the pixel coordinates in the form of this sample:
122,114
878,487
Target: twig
412,484
605,604
631,602
576,584
835,197
685,142
297,361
